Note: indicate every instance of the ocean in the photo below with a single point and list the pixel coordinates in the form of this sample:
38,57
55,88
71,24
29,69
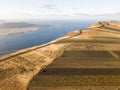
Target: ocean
9,43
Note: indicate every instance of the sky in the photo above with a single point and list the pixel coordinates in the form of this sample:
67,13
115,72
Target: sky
53,9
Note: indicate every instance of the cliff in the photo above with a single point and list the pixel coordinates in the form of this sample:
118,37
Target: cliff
17,69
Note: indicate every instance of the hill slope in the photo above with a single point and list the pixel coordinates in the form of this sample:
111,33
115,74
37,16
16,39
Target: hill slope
80,59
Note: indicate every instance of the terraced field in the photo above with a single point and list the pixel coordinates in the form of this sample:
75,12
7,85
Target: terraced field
86,64
86,53
81,60
118,52
79,68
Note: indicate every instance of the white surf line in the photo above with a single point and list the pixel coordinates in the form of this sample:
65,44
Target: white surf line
113,54
6,52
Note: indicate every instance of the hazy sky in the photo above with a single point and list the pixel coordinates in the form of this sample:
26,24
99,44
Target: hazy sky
46,9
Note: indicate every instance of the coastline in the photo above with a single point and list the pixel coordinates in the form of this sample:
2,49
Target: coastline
46,55
17,30
5,53
20,67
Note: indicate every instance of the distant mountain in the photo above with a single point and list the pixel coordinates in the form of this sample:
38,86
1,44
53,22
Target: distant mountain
17,25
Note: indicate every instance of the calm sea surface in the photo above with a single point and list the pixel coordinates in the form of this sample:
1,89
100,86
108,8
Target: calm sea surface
44,35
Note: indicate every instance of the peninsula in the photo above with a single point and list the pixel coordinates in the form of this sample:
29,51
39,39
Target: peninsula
18,27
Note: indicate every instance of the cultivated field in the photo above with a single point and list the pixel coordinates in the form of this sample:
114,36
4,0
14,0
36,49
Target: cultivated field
81,60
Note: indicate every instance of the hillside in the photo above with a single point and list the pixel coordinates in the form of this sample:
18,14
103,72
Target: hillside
84,60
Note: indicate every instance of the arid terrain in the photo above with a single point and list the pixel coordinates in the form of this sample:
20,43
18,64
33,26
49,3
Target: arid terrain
17,27
86,59
17,30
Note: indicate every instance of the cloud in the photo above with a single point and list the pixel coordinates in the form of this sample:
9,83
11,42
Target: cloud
81,14
45,5
23,14
58,14
18,15
75,8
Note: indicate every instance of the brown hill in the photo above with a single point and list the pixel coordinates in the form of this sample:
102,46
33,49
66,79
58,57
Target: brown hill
81,59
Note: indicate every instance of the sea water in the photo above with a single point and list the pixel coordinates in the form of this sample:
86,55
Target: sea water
57,29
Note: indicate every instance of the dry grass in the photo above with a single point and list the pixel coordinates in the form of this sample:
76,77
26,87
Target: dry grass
17,69
76,80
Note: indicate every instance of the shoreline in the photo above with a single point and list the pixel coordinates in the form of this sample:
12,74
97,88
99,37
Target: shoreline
19,68
6,53
13,31
48,53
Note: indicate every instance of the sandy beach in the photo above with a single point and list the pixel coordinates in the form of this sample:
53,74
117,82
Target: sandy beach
10,31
